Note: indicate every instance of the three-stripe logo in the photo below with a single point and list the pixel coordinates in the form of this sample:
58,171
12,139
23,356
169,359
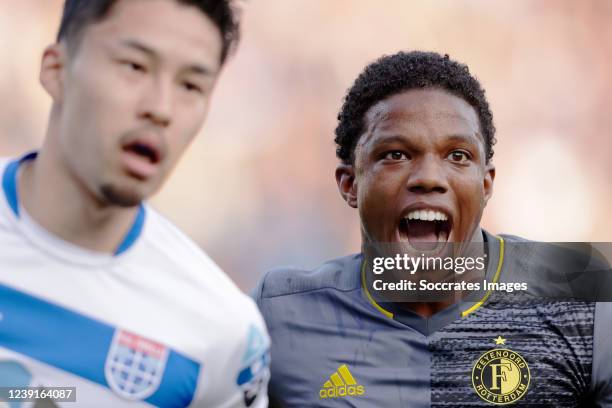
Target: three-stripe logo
341,384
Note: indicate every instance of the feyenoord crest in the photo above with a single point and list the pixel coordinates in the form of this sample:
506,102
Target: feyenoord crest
134,365
501,376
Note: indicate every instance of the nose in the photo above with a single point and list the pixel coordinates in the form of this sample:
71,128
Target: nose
156,103
427,176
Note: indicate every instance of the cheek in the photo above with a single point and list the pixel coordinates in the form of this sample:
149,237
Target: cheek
378,195
96,107
470,198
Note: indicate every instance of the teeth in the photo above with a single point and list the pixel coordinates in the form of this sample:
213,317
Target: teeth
426,215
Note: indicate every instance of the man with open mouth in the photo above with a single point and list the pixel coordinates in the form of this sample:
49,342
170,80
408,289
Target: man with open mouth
98,291
415,141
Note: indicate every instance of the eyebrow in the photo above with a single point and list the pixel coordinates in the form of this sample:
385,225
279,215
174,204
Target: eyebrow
465,138
471,138
137,45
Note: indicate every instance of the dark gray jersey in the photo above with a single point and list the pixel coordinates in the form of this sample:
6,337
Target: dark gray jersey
333,345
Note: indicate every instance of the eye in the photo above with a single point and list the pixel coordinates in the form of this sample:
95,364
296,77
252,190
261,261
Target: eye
395,155
459,156
191,87
134,66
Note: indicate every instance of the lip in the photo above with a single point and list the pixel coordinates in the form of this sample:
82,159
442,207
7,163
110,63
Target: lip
142,165
440,248
148,140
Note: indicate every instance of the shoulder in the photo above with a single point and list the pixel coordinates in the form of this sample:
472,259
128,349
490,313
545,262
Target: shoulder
557,270
552,253
188,270
340,274
546,255
163,237
508,238
183,259
289,298
518,251
162,233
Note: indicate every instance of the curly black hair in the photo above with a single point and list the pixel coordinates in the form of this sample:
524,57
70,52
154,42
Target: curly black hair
79,13
392,74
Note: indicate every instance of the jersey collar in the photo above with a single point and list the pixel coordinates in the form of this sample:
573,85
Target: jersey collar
428,325
9,189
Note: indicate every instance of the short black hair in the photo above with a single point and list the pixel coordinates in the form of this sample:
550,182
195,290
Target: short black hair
392,74
79,13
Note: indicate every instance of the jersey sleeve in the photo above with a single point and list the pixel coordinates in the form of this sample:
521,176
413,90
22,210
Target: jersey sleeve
245,362
601,379
253,360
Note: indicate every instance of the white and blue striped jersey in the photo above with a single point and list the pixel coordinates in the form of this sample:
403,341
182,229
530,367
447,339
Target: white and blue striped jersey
155,324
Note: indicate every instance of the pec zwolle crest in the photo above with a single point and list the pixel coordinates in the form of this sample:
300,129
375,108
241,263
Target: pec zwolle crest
134,365
501,376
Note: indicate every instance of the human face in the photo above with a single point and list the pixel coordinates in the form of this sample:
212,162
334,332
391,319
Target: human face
134,92
422,151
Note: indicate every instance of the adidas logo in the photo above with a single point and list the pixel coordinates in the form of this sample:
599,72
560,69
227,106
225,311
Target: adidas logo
341,384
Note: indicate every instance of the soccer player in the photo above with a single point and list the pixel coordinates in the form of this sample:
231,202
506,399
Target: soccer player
415,140
97,290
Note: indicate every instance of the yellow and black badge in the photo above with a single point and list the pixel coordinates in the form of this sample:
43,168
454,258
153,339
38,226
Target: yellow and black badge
501,376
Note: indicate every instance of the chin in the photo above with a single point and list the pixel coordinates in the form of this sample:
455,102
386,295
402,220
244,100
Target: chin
122,197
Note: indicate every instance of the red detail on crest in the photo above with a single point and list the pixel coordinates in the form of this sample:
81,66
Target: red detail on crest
142,344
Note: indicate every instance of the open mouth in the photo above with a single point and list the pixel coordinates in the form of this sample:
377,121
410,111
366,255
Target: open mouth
425,229
142,158
144,151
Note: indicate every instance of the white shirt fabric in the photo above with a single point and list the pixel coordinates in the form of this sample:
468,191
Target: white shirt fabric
156,324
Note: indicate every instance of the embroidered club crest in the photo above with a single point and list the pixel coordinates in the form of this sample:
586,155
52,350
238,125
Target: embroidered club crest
134,365
501,376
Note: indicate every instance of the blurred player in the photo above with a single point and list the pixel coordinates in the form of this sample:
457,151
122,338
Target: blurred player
415,139
97,290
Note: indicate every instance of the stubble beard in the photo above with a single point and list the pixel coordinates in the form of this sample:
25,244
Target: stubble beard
116,196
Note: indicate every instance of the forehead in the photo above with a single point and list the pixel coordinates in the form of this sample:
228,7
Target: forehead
427,111
171,28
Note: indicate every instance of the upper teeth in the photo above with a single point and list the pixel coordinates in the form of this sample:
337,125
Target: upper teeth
427,215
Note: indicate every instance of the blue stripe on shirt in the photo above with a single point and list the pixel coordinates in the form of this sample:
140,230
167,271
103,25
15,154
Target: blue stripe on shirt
78,344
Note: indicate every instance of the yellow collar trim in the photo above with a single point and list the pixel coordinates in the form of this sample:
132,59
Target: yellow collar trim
495,279
464,313
369,296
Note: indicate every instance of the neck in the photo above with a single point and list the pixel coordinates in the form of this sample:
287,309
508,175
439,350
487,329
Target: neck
427,309
56,200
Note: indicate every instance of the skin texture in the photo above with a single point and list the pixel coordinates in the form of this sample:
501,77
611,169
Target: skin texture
144,74
422,147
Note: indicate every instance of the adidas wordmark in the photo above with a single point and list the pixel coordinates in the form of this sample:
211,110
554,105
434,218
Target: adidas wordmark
341,384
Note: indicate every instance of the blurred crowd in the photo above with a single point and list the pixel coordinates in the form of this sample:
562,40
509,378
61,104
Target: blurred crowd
257,190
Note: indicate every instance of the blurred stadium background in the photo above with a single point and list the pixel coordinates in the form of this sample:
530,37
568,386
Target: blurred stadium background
256,189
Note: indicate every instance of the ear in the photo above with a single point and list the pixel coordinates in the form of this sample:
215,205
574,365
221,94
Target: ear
52,70
345,177
488,182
